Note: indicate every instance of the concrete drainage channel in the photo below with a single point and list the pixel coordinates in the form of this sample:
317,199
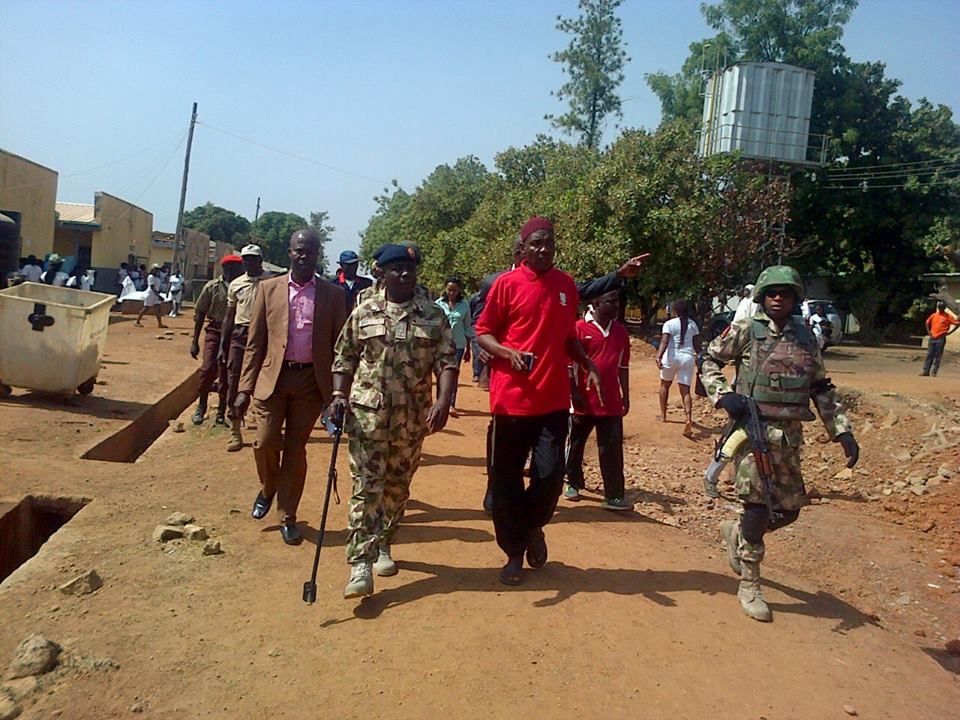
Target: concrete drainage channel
26,525
129,443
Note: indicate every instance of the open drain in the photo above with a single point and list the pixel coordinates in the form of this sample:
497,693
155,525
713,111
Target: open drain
25,526
132,441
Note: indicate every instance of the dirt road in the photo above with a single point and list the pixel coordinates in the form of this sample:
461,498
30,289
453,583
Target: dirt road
630,617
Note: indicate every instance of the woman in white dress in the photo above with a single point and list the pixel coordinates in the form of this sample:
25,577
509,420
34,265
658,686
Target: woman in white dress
677,359
153,299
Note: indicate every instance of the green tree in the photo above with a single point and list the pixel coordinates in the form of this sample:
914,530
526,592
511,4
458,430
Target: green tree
874,212
220,224
805,33
442,203
320,223
273,231
593,62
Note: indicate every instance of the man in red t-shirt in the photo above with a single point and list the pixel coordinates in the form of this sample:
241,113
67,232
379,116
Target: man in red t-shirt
938,325
607,343
528,326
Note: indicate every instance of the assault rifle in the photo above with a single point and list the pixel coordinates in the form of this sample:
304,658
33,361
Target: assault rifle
757,434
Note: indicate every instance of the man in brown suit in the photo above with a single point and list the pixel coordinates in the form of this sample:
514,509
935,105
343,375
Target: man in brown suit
286,369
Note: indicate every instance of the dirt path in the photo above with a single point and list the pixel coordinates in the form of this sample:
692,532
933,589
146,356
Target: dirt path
629,617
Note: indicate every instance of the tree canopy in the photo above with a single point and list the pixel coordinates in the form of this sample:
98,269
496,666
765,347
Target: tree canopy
220,224
868,221
886,196
273,230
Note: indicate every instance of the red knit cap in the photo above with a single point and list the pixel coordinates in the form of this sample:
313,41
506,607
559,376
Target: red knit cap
533,224
227,259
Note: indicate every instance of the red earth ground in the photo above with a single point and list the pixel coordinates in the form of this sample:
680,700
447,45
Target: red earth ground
634,615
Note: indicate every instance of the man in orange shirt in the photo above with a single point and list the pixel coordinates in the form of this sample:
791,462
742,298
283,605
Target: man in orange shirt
938,325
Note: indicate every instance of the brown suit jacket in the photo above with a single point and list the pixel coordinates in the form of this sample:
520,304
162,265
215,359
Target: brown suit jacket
267,338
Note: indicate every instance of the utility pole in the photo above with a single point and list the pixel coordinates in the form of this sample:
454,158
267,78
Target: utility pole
256,216
183,189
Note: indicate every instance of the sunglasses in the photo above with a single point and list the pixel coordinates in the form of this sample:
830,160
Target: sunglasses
776,292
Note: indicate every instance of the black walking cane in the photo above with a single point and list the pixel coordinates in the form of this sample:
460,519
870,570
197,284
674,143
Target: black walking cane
310,587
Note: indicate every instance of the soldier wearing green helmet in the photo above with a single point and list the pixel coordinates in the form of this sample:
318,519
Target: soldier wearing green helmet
781,368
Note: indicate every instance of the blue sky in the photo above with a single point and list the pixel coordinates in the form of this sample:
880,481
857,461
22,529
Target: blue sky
367,91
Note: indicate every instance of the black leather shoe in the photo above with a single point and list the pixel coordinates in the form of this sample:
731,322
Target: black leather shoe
291,534
537,549
261,506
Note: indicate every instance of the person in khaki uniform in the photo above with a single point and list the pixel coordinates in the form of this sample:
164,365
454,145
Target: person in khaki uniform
241,294
780,367
211,305
286,370
390,347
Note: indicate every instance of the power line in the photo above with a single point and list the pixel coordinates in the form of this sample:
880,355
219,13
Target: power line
155,177
97,167
898,176
880,167
897,173
295,156
145,171
864,186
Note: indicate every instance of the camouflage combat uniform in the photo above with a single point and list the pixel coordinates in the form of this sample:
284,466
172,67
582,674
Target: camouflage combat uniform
782,370
392,352
789,361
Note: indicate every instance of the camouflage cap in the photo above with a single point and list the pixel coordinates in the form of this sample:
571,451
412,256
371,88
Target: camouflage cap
778,275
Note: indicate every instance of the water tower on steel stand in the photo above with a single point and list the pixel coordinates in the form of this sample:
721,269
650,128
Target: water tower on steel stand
762,110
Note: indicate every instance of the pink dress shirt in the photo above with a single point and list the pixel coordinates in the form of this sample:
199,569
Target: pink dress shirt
302,299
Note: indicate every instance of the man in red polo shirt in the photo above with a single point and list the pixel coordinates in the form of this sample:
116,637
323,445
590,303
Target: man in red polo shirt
528,326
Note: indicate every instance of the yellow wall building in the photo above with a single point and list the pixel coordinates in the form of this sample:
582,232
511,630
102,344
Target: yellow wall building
104,234
28,193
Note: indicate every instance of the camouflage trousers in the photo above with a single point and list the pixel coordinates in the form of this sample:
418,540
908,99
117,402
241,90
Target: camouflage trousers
382,471
784,440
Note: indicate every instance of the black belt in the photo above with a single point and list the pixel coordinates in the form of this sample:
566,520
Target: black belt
297,365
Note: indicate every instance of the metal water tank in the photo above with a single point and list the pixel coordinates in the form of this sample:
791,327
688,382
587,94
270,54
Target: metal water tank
761,109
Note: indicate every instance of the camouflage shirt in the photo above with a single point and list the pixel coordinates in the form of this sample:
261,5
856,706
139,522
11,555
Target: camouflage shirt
734,347
392,352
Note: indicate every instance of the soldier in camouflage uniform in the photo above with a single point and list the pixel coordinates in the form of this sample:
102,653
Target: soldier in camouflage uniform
780,367
390,347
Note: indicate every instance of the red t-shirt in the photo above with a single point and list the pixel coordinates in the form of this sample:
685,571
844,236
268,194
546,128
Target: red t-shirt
939,324
609,353
531,313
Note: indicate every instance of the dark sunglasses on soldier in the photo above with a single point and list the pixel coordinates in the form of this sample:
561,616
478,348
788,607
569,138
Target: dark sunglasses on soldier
779,292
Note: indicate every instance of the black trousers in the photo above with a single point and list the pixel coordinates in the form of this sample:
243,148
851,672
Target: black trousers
517,510
609,444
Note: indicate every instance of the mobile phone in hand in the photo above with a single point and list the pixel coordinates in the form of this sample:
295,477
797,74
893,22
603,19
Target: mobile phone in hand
528,359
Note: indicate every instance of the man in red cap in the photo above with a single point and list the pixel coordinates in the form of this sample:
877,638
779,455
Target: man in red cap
212,303
528,326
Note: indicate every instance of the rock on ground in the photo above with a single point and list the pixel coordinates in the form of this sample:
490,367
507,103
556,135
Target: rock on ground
179,518
83,584
8,707
34,656
212,547
162,533
194,532
19,688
